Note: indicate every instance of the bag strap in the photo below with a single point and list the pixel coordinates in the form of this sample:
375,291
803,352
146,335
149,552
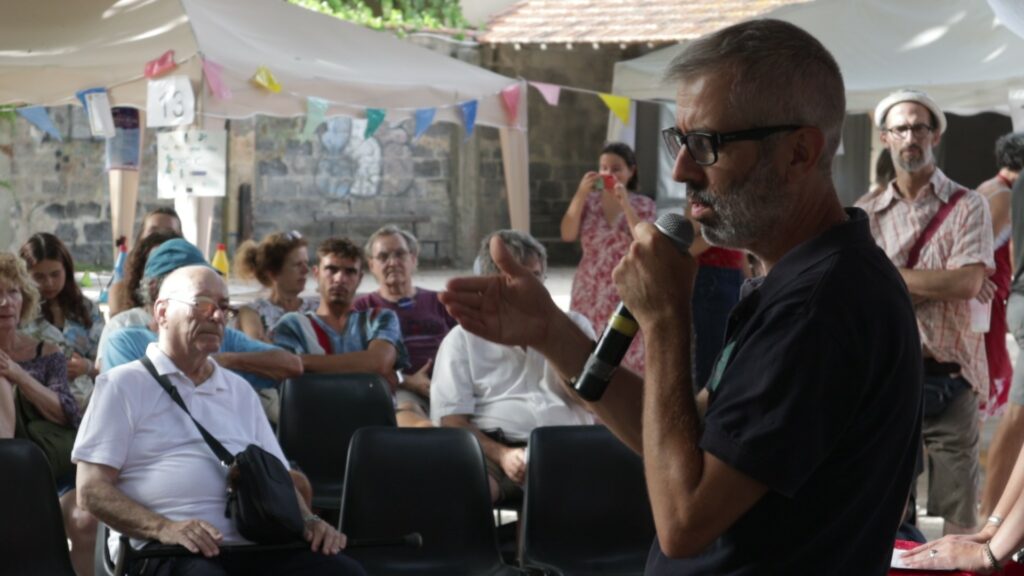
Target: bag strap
222,454
933,226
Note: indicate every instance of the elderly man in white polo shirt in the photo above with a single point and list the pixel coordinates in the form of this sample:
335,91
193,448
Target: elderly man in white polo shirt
143,468
501,393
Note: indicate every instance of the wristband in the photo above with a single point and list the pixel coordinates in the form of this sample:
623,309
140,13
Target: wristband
992,562
995,520
310,517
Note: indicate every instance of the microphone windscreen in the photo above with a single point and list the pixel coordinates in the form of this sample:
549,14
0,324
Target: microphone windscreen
678,229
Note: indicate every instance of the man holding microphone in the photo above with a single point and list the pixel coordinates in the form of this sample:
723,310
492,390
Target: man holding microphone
805,454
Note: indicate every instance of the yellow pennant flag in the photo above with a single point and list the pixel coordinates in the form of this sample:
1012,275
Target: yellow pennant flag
619,105
265,78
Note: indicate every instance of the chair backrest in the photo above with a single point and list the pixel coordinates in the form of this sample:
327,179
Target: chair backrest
585,507
319,415
32,539
431,481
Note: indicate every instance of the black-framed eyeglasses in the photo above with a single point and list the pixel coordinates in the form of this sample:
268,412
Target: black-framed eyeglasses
206,307
703,146
904,130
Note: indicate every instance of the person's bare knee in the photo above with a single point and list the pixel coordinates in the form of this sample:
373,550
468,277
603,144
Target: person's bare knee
411,415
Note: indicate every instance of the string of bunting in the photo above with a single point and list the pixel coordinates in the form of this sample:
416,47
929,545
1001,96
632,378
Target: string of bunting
97,104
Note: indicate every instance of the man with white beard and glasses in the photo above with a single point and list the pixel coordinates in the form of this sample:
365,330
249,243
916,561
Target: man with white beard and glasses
799,456
939,235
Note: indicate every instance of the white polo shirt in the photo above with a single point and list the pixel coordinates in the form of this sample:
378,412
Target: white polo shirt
499,386
134,426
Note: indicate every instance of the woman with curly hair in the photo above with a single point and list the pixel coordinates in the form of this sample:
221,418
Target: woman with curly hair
281,264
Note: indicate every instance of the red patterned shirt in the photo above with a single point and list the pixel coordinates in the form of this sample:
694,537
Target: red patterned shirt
964,238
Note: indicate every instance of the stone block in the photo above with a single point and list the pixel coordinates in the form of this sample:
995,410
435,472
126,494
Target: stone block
272,167
67,233
97,231
427,169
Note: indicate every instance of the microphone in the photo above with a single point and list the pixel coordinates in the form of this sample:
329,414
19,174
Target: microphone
622,326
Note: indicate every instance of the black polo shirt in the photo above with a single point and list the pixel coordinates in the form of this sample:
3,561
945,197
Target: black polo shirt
816,394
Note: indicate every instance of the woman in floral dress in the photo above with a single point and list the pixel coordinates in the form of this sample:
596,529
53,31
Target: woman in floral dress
602,218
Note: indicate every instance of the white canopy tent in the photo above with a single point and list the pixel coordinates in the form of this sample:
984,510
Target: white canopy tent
50,49
956,50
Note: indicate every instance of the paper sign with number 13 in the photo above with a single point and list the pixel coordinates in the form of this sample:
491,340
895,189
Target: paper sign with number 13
170,102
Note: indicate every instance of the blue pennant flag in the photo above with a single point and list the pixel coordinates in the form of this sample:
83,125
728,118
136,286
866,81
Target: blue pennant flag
40,118
468,116
424,118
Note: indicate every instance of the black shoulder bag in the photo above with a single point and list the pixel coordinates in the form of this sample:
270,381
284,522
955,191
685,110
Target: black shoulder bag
261,496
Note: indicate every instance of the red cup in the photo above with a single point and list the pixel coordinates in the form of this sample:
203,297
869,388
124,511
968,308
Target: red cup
606,182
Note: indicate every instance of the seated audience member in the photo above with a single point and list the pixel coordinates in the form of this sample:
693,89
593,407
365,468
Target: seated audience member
501,393
337,338
393,257
34,387
146,471
280,263
262,365
134,312
162,219
68,319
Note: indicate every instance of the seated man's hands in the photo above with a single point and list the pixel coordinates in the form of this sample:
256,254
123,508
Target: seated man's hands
323,537
513,463
198,536
419,381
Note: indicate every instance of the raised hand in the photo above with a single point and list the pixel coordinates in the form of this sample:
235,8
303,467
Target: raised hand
509,308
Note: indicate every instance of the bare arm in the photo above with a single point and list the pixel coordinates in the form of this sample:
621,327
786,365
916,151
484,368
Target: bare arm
249,322
511,460
961,284
695,496
98,494
43,398
274,364
379,358
999,206
574,214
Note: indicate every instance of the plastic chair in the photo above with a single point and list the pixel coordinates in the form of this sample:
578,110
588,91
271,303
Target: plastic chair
585,508
430,481
319,415
32,539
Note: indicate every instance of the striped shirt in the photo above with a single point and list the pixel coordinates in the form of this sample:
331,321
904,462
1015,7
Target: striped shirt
964,238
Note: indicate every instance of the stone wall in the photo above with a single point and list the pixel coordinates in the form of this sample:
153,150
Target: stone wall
565,140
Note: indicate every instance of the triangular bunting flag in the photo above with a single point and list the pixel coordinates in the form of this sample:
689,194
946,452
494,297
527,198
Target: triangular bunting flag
264,77
40,118
374,118
214,81
619,105
468,110
424,118
315,110
160,66
510,98
97,108
550,92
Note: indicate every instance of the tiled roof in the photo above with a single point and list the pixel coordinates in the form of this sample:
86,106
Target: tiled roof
619,21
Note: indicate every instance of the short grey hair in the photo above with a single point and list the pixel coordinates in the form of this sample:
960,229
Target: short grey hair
391,230
520,244
780,75
1010,151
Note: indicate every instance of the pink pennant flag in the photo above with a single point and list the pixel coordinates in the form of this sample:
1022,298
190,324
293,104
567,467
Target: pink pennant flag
510,98
160,66
551,92
214,81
